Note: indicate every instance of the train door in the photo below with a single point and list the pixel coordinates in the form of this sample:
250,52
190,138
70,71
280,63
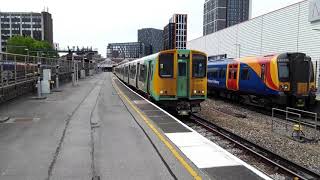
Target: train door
150,72
129,71
263,76
232,80
182,81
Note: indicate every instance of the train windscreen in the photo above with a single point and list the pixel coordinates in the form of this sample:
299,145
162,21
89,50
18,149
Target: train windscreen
199,67
166,65
283,70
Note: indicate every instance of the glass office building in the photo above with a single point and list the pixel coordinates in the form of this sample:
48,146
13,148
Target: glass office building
219,14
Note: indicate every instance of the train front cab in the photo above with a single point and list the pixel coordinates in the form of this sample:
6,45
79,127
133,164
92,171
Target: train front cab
296,79
180,80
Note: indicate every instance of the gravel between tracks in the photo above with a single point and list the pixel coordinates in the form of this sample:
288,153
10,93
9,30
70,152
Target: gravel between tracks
256,127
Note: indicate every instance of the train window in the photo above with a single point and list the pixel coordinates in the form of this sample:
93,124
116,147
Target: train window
142,73
234,74
311,72
166,65
222,73
230,75
199,66
215,73
283,68
245,74
263,68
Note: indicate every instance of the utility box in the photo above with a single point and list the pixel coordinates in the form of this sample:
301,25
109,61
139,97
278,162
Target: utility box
45,87
46,74
91,72
82,74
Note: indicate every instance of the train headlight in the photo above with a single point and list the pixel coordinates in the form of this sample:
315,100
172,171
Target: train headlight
202,92
195,91
161,92
285,87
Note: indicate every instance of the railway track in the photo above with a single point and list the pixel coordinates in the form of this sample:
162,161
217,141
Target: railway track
264,111
290,169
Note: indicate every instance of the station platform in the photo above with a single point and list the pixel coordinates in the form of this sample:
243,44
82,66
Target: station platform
100,129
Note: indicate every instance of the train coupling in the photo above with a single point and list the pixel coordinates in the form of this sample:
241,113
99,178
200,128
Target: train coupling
183,108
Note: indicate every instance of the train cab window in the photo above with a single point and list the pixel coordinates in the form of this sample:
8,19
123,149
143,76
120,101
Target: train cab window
283,68
166,65
199,66
245,74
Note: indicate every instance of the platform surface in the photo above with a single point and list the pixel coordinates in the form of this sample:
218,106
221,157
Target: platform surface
81,132
216,162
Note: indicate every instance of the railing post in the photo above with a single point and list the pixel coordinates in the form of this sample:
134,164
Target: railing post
15,69
25,67
57,75
73,69
1,73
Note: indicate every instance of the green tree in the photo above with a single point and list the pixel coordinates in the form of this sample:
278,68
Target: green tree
25,45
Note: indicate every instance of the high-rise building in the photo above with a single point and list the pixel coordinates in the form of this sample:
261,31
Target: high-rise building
219,14
35,25
152,37
130,50
169,37
175,33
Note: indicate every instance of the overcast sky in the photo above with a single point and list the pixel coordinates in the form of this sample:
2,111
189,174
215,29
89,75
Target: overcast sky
99,22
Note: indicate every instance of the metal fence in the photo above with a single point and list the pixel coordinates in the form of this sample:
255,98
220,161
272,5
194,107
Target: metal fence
295,123
19,73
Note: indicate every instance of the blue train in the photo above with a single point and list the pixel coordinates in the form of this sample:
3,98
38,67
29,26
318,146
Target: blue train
280,79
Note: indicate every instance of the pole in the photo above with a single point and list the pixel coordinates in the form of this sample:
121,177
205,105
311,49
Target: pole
73,73
39,77
57,75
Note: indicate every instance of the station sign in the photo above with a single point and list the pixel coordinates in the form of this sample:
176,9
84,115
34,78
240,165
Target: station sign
314,10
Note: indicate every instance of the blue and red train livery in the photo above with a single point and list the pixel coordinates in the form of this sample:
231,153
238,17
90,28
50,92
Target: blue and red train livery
282,79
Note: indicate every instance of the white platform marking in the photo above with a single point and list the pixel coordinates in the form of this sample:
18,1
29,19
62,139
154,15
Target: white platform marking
201,153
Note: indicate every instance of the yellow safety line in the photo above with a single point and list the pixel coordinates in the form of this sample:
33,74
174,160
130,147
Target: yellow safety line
182,161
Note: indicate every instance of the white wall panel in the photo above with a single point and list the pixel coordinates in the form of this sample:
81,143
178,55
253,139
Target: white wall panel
249,37
284,30
280,30
309,39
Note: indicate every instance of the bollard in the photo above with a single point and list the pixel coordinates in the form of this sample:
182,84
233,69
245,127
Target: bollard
57,77
39,81
39,84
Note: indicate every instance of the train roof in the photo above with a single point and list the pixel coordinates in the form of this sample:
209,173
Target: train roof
152,56
220,61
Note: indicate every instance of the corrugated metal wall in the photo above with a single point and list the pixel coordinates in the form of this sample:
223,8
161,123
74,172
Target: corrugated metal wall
287,29
284,30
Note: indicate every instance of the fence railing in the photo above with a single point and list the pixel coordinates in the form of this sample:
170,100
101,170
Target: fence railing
16,69
298,123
